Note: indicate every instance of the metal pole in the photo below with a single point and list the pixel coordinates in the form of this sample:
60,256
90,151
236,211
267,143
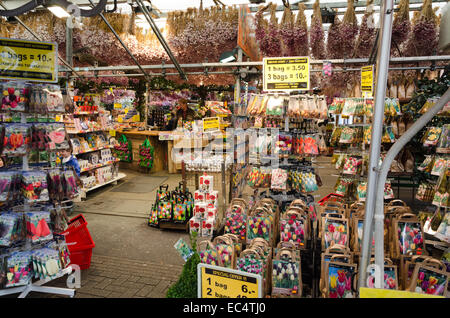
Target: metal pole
161,39
69,43
123,44
237,91
384,48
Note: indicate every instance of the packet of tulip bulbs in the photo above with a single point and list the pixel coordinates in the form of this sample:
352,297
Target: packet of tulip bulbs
432,136
275,106
16,140
8,228
444,140
250,262
34,186
38,229
183,249
56,133
52,99
427,164
286,277
236,223
309,182
279,179
6,185
19,269
439,166
15,96
429,280
361,191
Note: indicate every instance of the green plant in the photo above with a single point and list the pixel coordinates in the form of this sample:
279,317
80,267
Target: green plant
186,286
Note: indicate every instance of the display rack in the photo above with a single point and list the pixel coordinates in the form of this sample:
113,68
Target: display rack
87,147
37,285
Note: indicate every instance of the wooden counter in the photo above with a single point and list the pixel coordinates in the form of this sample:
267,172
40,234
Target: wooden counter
136,137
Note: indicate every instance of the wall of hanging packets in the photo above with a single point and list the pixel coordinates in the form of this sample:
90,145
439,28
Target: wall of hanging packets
31,216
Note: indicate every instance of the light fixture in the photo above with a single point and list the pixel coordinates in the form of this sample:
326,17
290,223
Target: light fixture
59,12
228,56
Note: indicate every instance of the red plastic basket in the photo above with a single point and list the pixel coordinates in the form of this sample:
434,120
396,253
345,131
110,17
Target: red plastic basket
79,242
81,257
77,233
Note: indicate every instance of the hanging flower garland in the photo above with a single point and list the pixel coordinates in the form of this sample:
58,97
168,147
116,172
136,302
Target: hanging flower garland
349,30
300,33
367,34
317,34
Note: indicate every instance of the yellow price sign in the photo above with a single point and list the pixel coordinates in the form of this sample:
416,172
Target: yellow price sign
365,292
117,106
211,123
221,282
286,73
367,79
112,132
28,60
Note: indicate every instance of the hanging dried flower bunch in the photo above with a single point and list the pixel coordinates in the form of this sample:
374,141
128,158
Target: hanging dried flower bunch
317,34
423,38
349,30
367,34
401,25
203,34
300,34
287,32
271,43
334,50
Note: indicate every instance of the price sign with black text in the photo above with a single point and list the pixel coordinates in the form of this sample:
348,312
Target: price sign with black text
286,73
28,60
221,282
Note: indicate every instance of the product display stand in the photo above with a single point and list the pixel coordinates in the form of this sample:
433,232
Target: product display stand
37,286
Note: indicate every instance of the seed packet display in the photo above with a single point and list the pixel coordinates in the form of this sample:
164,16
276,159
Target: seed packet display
183,249
340,280
38,229
16,140
56,133
34,186
15,96
429,280
19,269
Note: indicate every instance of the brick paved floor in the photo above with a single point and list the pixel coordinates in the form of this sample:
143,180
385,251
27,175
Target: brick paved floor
115,277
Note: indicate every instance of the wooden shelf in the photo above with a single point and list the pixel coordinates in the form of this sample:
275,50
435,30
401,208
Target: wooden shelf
100,165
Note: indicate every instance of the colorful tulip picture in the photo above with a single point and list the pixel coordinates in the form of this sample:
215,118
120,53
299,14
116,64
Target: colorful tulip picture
292,230
410,238
335,232
285,277
430,282
340,281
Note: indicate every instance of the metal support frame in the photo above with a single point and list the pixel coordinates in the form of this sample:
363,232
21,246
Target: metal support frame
382,65
122,43
160,37
37,287
393,60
